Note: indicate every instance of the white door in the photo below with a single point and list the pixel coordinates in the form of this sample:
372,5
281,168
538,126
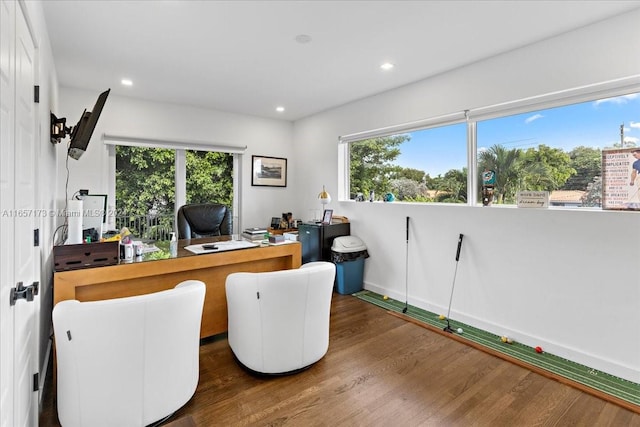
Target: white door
25,325
7,95
18,178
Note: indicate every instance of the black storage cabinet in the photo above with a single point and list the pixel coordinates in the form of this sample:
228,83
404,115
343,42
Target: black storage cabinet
316,239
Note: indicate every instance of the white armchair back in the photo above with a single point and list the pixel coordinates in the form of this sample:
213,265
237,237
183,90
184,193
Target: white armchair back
279,320
127,361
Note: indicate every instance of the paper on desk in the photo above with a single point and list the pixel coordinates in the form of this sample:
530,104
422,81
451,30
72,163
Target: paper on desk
227,245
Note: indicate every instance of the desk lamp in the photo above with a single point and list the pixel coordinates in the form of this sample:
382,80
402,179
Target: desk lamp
324,197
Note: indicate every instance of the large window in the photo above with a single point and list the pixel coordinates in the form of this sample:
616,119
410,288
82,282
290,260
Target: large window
556,149
146,186
427,165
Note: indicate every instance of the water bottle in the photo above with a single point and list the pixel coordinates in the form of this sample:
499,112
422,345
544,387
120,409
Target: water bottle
173,246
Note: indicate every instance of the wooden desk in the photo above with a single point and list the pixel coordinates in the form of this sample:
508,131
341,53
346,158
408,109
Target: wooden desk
145,277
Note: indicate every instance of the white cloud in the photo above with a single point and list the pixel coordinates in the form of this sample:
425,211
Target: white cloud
632,139
617,99
532,118
634,125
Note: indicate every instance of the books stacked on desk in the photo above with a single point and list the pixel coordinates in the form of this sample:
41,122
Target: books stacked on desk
254,234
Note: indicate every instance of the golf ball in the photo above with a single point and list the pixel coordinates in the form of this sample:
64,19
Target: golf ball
385,297
460,330
538,349
441,317
503,339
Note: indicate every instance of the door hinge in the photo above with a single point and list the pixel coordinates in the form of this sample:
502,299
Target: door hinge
23,292
36,381
36,237
36,94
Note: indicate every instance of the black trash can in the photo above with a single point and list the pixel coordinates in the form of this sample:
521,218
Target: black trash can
348,254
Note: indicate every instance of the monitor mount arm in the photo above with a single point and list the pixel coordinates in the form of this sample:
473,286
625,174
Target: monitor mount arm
59,129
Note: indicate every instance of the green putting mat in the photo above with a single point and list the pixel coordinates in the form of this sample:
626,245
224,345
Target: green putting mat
620,388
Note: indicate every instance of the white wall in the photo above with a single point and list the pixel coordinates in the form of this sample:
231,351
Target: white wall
565,280
124,116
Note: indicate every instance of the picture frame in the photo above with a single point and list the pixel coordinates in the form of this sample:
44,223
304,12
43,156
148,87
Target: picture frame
268,171
326,216
275,222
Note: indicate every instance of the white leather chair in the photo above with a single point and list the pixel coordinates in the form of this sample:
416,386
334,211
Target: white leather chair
279,320
127,361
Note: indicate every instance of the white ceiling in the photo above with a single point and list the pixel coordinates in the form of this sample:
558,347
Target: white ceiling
242,56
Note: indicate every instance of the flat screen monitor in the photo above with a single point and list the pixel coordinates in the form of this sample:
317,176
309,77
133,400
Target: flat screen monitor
82,131
94,211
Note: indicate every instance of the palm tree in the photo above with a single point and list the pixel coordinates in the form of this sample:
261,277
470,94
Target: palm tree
506,164
453,187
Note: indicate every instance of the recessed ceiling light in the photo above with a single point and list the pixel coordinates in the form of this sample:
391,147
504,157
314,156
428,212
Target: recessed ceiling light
280,109
387,66
126,82
303,38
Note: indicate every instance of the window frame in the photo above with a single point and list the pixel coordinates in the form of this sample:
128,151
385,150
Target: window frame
562,98
180,148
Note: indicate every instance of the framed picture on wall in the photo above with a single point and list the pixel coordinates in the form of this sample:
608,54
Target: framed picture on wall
268,171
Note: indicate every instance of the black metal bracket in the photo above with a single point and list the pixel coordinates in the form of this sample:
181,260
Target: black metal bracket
23,292
59,129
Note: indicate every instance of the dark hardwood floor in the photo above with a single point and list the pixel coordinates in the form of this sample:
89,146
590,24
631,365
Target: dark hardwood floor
382,371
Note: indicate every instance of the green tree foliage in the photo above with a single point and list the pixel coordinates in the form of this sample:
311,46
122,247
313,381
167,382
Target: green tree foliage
145,181
541,168
431,183
410,173
145,186
209,177
453,187
587,162
371,163
545,168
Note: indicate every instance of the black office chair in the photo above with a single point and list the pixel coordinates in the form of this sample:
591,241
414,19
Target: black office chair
204,220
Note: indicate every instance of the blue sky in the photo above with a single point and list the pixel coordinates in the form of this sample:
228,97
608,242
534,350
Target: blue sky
592,124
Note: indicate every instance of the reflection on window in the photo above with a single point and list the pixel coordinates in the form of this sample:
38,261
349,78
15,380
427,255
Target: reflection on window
427,165
558,149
